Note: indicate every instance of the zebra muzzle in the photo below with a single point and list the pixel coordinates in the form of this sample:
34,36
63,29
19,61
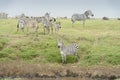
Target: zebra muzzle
58,46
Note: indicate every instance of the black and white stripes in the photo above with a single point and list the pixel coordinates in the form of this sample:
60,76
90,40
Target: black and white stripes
28,23
71,49
81,17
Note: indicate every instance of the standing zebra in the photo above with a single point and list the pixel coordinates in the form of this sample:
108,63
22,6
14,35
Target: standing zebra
47,16
71,49
47,25
81,17
28,23
20,25
57,26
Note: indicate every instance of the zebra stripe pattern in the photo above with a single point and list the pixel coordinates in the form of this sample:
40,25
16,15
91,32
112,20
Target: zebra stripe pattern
47,25
57,26
28,23
71,49
81,17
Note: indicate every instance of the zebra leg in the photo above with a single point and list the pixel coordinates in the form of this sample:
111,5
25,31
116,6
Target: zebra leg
73,23
55,30
44,30
22,29
76,55
37,28
17,27
27,29
48,30
52,30
63,59
83,23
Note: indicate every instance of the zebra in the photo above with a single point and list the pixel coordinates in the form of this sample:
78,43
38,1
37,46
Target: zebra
48,22
81,17
38,19
47,25
71,49
118,18
57,26
28,23
47,16
105,18
20,25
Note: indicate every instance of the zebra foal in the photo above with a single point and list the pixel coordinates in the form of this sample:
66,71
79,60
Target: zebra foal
57,26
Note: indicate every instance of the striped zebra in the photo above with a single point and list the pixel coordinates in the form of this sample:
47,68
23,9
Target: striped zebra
71,49
57,26
28,23
38,19
47,25
20,25
81,17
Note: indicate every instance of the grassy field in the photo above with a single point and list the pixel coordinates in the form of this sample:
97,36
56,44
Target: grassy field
99,43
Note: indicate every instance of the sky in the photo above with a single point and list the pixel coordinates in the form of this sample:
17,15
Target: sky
61,8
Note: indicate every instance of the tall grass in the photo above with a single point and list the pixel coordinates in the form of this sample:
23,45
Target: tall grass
99,43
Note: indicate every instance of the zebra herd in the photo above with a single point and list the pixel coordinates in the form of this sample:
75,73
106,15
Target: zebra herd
29,23
48,23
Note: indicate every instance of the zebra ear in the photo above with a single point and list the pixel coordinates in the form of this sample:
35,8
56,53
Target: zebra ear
76,42
58,40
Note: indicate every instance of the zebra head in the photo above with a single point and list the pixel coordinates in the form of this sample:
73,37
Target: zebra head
88,13
52,19
58,24
76,45
60,43
21,23
47,16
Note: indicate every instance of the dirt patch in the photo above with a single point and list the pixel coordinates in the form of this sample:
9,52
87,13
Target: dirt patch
30,71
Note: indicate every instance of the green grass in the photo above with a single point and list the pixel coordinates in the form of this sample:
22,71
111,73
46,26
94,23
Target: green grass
99,43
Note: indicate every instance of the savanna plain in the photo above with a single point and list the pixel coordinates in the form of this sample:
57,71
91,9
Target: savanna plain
35,56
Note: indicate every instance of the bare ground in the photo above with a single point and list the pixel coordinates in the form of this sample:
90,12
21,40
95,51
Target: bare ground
53,71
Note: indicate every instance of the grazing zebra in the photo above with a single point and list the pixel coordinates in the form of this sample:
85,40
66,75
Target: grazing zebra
118,18
28,23
105,18
57,26
71,49
81,17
